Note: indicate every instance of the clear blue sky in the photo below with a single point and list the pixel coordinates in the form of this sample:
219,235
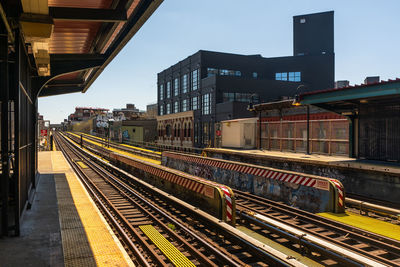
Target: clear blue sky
367,43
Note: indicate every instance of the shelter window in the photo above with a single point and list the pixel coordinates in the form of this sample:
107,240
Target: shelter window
176,107
195,79
168,89
176,86
195,103
206,104
185,83
161,91
212,72
185,105
168,108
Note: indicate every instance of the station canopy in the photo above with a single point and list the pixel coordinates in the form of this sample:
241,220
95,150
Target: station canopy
347,100
70,42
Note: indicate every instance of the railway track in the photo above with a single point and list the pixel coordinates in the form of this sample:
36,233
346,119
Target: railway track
137,213
371,246
139,152
379,248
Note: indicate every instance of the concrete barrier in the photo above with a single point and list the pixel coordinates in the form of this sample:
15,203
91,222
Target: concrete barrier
308,192
216,199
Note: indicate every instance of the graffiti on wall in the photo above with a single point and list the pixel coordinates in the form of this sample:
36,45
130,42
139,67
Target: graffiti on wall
305,197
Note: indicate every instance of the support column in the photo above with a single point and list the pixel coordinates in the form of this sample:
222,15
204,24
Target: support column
4,89
308,129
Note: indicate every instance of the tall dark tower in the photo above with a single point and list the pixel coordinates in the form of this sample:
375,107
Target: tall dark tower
313,34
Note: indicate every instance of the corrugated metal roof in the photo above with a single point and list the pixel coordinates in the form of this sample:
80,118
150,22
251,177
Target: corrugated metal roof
73,37
349,87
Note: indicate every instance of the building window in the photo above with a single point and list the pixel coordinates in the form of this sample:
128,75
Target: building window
176,86
168,108
303,20
206,133
295,76
176,107
291,76
228,97
212,72
282,76
255,75
161,91
240,97
184,83
161,110
196,132
206,104
195,103
195,79
168,89
185,105
224,72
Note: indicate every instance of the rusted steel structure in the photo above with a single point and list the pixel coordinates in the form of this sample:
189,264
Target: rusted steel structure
50,47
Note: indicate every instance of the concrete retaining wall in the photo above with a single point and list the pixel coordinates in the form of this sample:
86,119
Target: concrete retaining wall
381,183
311,193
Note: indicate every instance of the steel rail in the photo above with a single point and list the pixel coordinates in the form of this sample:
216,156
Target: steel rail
124,236
262,253
89,185
120,185
380,242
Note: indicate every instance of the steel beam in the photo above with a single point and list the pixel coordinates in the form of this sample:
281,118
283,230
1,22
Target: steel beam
4,89
50,90
87,14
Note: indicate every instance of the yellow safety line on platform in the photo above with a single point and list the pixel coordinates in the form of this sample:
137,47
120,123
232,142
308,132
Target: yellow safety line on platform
121,151
366,223
134,147
86,237
172,253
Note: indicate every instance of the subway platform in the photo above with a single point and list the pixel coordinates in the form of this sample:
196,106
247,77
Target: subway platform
63,226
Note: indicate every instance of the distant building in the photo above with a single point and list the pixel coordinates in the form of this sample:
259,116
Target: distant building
128,113
218,86
84,113
151,110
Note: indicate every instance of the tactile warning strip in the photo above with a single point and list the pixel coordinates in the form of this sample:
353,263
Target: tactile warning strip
87,239
169,250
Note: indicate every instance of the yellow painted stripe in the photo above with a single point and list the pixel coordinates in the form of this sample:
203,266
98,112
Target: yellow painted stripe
120,151
134,147
80,163
366,223
171,252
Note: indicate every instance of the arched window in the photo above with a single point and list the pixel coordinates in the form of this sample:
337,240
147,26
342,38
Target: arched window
184,129
168,130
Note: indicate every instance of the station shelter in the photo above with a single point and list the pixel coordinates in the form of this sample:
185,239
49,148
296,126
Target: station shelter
373,112
289,127
50,47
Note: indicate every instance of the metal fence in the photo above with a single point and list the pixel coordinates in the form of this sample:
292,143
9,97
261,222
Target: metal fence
325,136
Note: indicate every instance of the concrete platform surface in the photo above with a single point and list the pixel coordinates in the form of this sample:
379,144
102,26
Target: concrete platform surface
338,161
64,226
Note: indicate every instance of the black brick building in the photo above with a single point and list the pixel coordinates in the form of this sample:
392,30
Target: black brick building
219,86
